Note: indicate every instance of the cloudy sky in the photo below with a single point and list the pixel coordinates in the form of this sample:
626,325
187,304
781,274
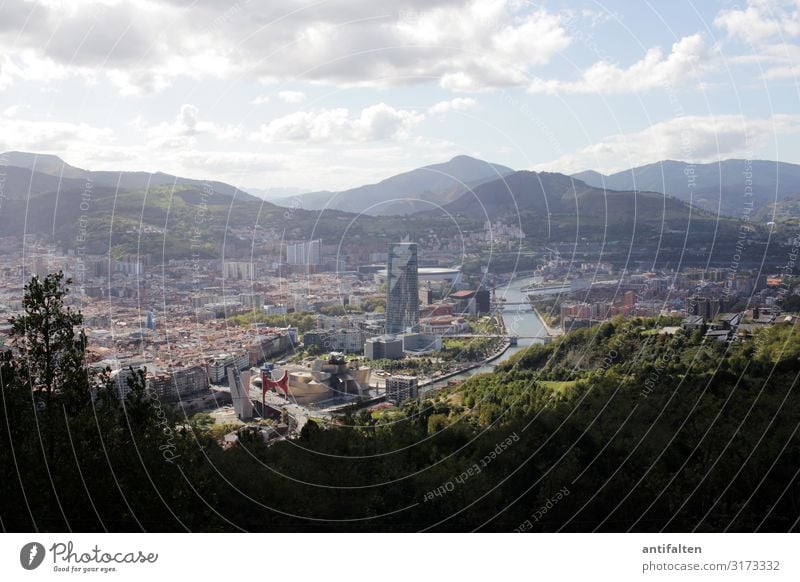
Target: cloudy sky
332,94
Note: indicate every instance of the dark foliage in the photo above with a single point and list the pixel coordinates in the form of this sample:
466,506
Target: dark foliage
613,428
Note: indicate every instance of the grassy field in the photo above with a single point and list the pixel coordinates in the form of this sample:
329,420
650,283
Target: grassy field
558,387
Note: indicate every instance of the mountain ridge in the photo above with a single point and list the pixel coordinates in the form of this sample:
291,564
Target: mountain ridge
716,186
551,205
54,166
410,191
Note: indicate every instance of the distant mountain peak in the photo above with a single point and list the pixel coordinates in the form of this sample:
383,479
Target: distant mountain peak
411,191
466,158
51,165
588,175
44,163
465,161
20,155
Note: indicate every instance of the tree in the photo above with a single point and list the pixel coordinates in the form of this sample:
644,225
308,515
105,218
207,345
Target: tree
50,353
91,459
44,335
46,391
332,309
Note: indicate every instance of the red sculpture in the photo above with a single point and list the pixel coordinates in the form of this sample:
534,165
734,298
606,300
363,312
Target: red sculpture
267,382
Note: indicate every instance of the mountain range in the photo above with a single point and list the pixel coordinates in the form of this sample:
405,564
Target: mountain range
45,195
722,187
48,171
547,194
410,192
555,208
118,211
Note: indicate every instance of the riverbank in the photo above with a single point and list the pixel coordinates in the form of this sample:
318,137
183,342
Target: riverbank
498,354
528,325
551,331
429,383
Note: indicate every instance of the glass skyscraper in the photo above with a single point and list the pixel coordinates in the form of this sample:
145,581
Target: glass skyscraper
402,289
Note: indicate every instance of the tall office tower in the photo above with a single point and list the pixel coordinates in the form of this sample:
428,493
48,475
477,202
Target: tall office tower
402,289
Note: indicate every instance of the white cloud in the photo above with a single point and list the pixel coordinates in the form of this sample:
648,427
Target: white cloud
27,65
760,20
142,46
139,82
187,119
768,27
484,44
483,74
260,99
182,132
375,123
782,72
457,104
229,164
263,165
291,96
49,136
14,110
691,138
689,57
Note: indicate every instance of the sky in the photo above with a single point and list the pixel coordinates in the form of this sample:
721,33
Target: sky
328,95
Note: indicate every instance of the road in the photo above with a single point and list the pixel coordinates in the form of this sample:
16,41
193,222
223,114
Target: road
300,414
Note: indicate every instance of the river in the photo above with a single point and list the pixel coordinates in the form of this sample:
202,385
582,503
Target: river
520,320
